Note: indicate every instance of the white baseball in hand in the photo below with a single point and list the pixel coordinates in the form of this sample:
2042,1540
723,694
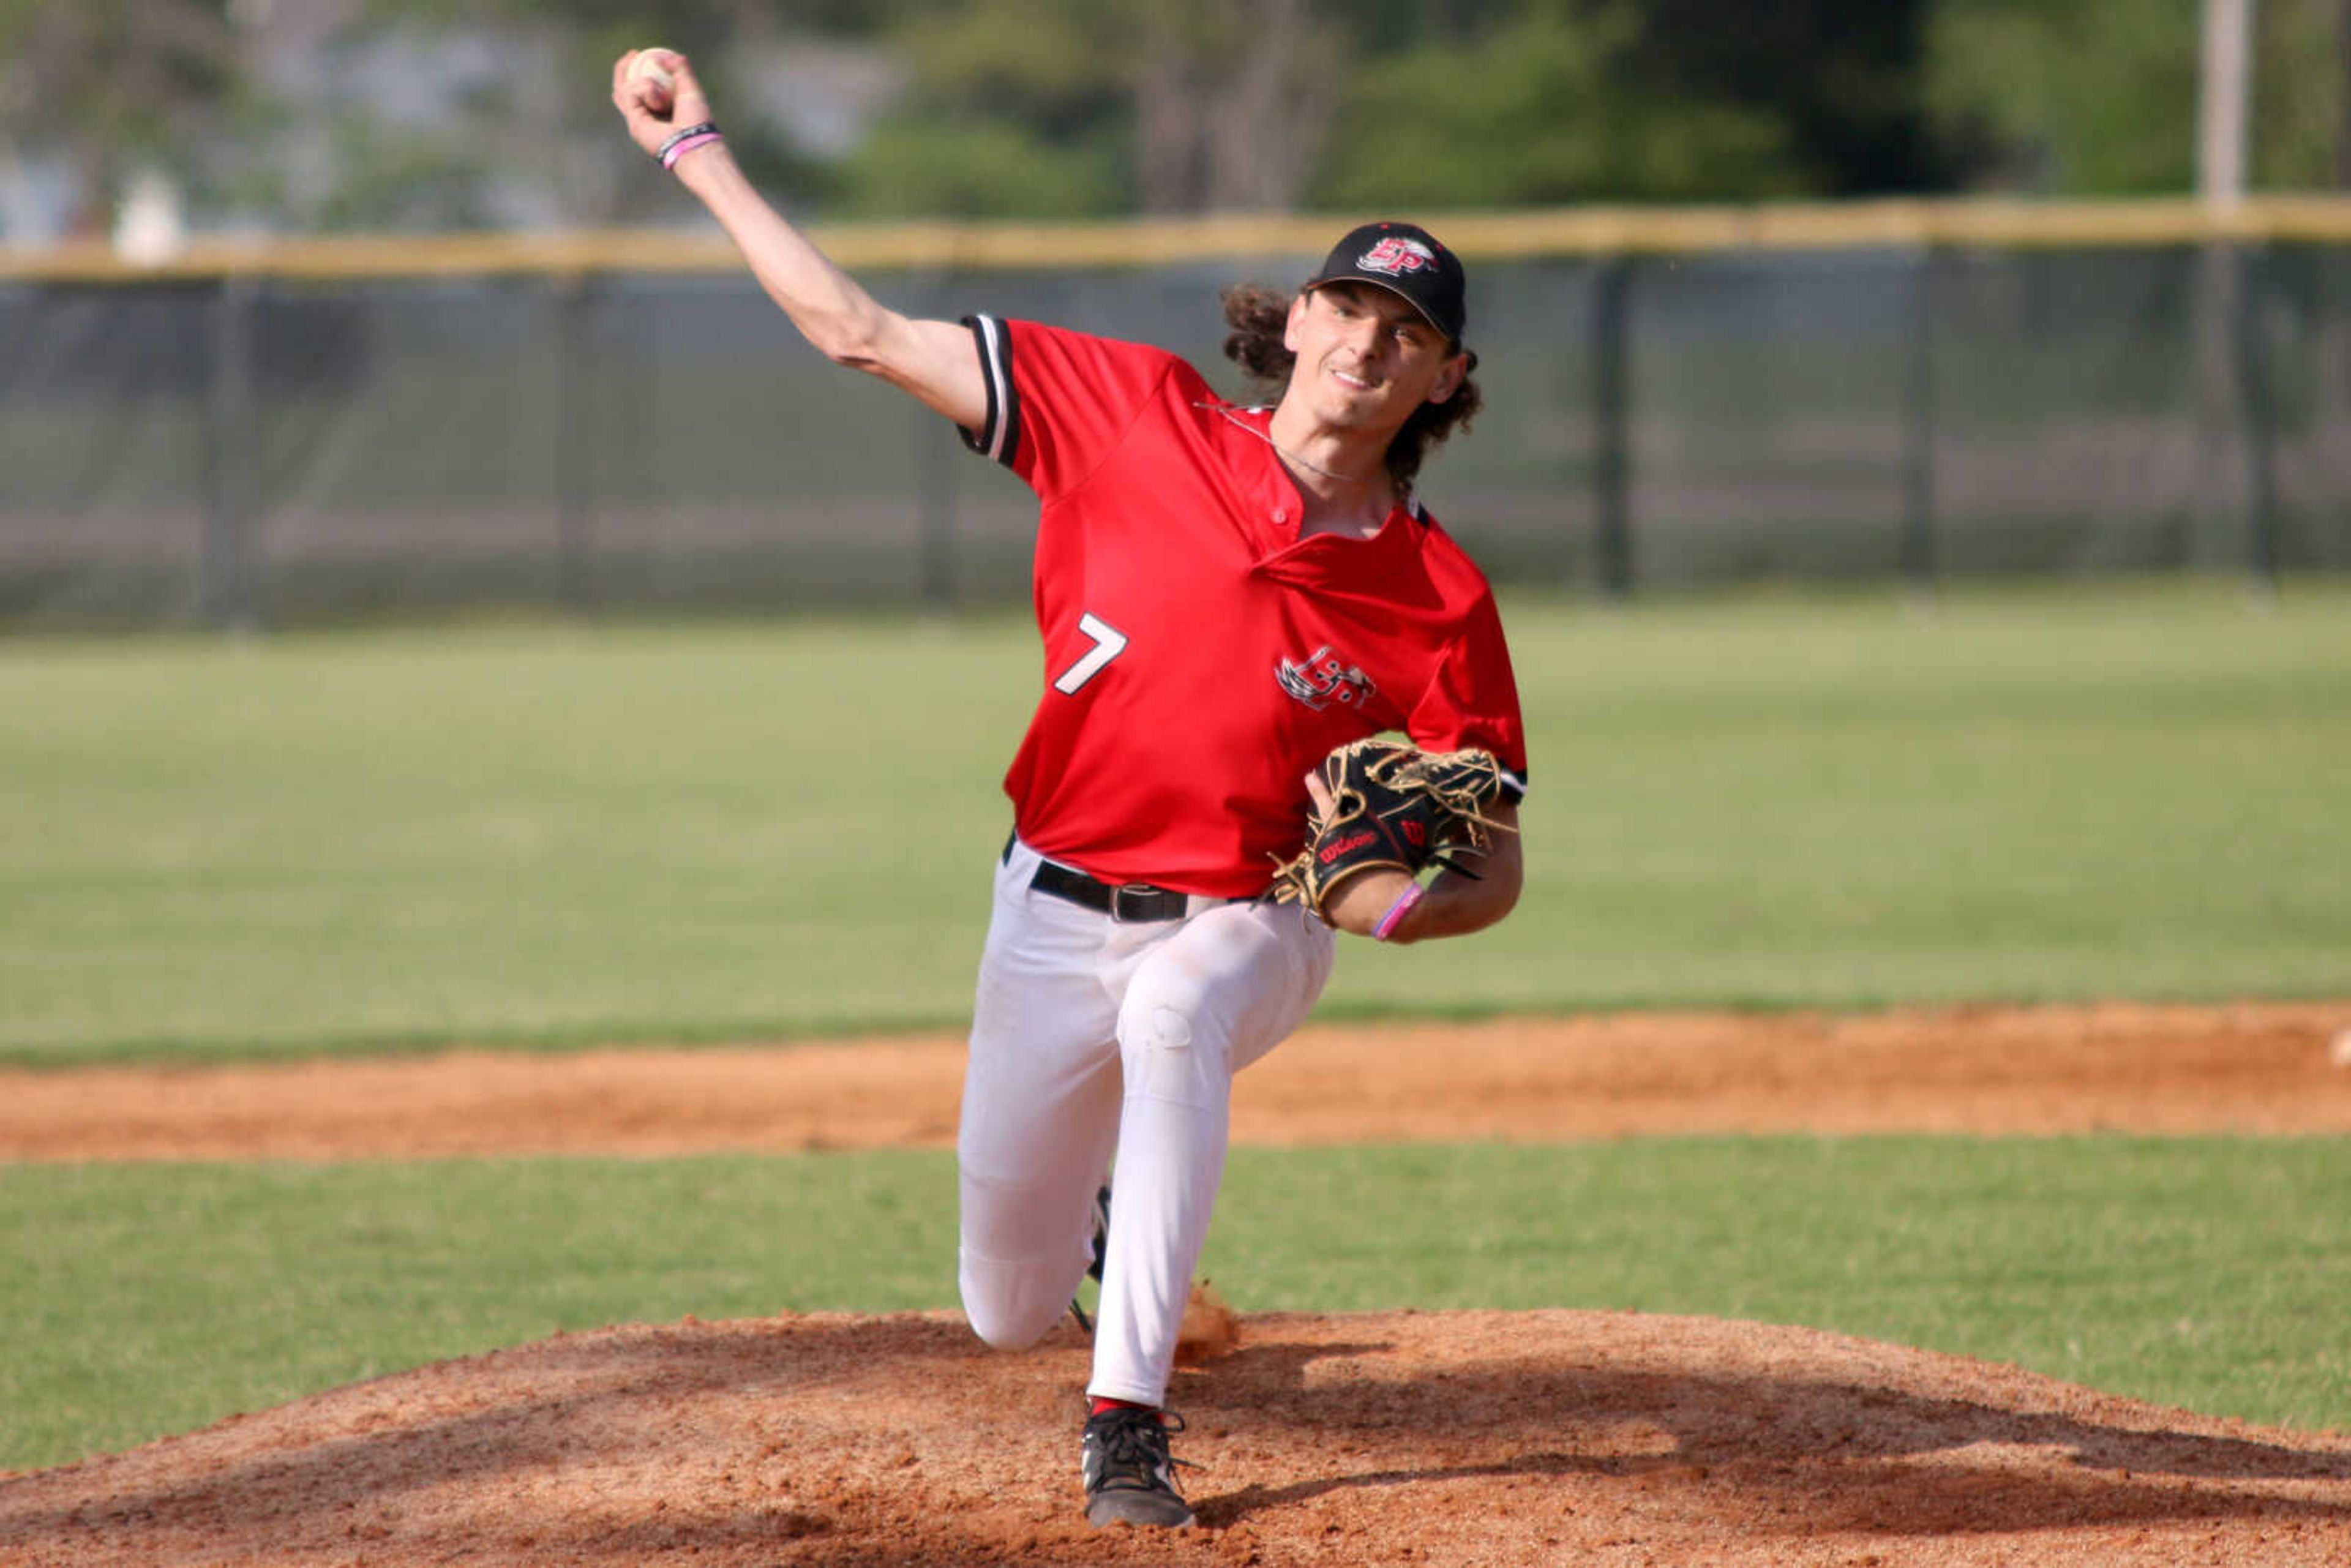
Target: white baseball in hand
647,66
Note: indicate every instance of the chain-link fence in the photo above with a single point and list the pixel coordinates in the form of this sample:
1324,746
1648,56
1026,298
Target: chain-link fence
271,449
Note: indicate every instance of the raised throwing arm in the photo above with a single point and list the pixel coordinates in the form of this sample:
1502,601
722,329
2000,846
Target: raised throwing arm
934,361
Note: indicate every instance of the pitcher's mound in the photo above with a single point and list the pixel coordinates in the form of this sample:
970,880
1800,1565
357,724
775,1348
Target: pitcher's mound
1453,1438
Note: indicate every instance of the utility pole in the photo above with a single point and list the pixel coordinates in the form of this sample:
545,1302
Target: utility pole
2235,492
2342,89
2224,114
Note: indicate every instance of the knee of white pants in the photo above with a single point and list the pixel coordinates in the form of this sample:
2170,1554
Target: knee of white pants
1022,1250
1217,996
1173,1042
1011,1304
1002,1303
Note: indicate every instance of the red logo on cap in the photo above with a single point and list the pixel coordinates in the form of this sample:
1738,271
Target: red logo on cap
1396,256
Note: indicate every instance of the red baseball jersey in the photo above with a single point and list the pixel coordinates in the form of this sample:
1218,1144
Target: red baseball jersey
1199,656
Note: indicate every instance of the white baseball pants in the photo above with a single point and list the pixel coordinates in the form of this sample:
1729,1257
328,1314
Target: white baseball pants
1091,1038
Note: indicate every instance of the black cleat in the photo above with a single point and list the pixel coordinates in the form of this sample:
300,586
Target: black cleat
1102,1234
1129,1475
1102,1251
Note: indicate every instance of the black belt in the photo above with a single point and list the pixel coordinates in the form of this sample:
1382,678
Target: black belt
1131,901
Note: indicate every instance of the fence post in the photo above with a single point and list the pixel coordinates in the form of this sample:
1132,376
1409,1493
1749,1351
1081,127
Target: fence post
2260,421
1917,548
2220,319
225,596
1611,406
575,444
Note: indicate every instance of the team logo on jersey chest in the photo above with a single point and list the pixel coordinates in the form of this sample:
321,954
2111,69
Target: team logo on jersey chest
1323,677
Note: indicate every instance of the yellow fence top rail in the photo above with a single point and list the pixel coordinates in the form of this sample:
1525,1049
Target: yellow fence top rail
1563,232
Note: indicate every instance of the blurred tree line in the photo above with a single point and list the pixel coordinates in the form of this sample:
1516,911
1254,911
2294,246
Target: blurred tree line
338,114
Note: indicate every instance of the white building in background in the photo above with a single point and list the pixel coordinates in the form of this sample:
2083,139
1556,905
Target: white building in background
150,225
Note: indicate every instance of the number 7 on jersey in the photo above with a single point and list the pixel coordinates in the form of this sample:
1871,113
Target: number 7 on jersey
1109,643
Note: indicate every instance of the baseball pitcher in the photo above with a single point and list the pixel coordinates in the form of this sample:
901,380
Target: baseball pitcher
1231,599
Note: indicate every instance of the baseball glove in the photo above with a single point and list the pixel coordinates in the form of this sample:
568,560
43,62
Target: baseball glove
1393,806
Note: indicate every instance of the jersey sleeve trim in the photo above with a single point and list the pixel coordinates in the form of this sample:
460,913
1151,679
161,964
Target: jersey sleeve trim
999,437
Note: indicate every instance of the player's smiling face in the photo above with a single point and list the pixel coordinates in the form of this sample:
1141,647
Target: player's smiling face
1366,356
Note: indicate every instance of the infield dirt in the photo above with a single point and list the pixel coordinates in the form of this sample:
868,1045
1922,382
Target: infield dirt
1454,1438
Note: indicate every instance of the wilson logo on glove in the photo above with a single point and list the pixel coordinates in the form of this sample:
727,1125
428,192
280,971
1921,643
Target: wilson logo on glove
1330,851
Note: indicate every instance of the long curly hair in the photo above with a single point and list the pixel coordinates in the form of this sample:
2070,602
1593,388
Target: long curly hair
1259,317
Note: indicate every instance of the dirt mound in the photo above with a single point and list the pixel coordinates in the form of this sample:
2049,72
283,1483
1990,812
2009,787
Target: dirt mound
1422,1438
1392,1438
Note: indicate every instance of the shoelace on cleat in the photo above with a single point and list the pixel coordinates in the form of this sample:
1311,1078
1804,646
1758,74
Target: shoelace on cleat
1133,1446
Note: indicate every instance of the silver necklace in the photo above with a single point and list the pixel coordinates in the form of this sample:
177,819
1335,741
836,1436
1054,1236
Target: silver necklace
1285,452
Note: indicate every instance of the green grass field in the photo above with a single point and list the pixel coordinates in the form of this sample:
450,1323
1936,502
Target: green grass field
564,835
2202,1272
553,835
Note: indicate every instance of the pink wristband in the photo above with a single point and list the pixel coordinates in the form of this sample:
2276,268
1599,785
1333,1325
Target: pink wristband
1397,911
671,154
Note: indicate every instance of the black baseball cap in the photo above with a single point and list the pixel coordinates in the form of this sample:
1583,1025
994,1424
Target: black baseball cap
1405,259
